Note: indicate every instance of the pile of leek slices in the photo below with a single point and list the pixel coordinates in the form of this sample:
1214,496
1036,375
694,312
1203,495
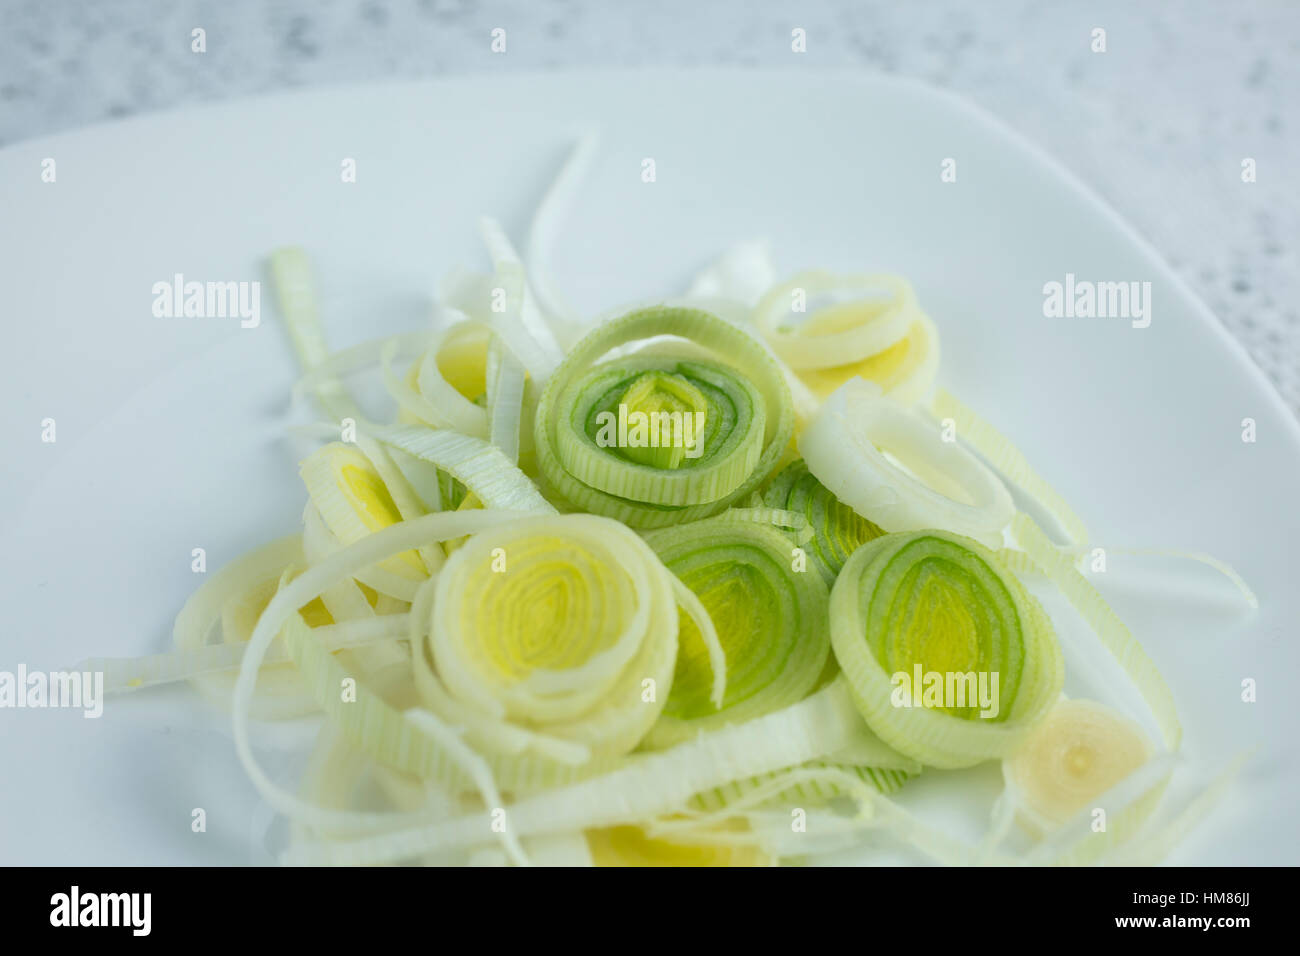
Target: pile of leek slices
640,590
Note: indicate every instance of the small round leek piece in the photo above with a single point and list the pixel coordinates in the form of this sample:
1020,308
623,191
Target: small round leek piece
868,326
934,484
770,620
837,529
950,660
1078,752
553,635
657,440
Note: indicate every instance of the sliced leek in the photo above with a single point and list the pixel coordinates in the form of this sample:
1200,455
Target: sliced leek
837,530
929,483
740,397
1078,752
950,660
770,619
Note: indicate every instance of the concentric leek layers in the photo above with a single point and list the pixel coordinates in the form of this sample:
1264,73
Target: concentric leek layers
937,606
837,529
770,620
722,382
552,635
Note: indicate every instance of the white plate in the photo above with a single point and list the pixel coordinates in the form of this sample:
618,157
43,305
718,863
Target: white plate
169,431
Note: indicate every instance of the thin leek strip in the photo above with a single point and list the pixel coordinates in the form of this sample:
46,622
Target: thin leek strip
770,620
1200,557
743,273
126,674
250,578
943,486
842,332
999,452
792,524
358,357
1113,634
437,403
505,397
479,466
566,626
937,609
1077,753
747,360
543,232
295,291
1153,848
837,530
520,312
818,786
473,765
653,785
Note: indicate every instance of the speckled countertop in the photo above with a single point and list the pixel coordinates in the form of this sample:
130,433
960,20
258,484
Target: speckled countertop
1159,123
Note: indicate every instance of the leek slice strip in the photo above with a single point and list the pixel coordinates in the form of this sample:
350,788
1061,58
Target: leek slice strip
124,675
357,357
631,845
1003,455
743,273
818,786
652,785
553,626
295,291
1110,630
844,445
836,529
548,220
740,351
521,312
830,336
482,468
1200,557
940,604
436,403
505,398
771,624
250,579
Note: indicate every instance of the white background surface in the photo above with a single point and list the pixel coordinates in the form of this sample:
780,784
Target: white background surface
171,432
1158,124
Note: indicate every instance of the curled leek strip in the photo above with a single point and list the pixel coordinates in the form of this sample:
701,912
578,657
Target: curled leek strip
482,468
610,464
1079,751
442,387
771,622
839,332
934,609
999,452
837,530
655,784
938,484
556,635
296,294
